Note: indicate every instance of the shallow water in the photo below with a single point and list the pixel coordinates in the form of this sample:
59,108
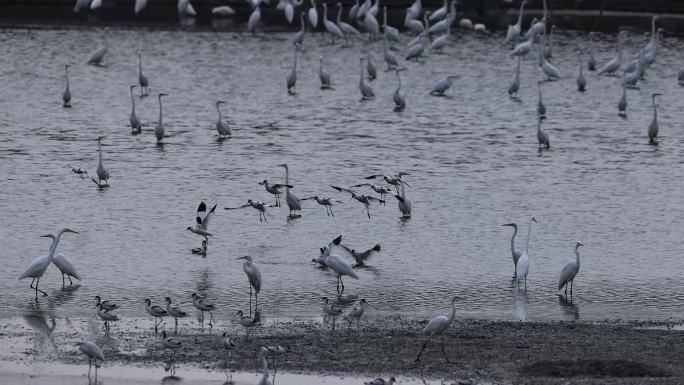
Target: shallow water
472,158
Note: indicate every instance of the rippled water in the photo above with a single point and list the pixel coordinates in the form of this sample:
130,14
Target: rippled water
472,158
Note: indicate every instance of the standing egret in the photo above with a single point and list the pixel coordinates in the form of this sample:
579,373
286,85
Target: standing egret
341,268
523,48
581,82
390,58
366,91
324,75
288,9
442,85
515,84
437,326
254,19
139,6
292,77
652,44
591,62
102,172
653,127
390,33
142,79
523,266
185,9
66,95
313,15
399,100
254,276
136,127
39,265
514,30
66,267
202,219
443,40
570,271
370,67
541,107
404,203
331,310
440,12
97,56
221,126
202,306
347,29
370,23
106,316
633,77
298,38
549,69
93,352
614,64
331,27
542,136
515,253
175,312
622,104
170,343
159,129
293,202
156,312
274,189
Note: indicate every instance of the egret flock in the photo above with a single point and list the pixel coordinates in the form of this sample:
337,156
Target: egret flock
430,32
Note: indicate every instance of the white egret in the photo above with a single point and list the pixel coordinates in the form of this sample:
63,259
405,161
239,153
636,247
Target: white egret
465,23
542,136
365,200
289,12
79,171
347,29
223,11
357,312
292,77
159,129
102,172
581,81
156,312
67,268
653,127
631,79
442,41
622,104
259,206
515,253
106,316
513,32
136,127
398,97
331,27
353,10
370,67
107,305
416,50
254,276
515,84
264,368
547,50
652,44
274,189
570,271
330,309
254,19
538,26
142,78
549,69
366,91
523,48
66,95
442,85
170,343
293,202
440,26
298,38
201,250
390,33
324,76
341,268
221,126
614,64
39,265
313,15
139,6
591,62
440,12
404,203
390,58
202,306
202,220
414,26
437,326
93,352
523,265
370,24
415,8
373,9
175,312
325,202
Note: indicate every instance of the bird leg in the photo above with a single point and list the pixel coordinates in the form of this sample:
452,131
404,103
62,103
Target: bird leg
342,283
331,212
90,361
338,286
71,283
368,212
256,303
250,300
444,353
38,290
333,323
175,320
422,349
62,281
211,317
566,286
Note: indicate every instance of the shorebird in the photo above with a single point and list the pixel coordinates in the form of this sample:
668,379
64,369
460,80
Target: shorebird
442,85
200,305
106,316
357,312
259,206
246,321
106,305
79,171
331,310
221,126
174,312
653,127
136,127
383,191
340,267
142,79
66,95
366,200
156,312
274,189
293,203
202,219
39,265
325,202
170,343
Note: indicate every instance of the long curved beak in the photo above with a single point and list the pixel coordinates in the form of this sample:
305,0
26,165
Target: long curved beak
508,224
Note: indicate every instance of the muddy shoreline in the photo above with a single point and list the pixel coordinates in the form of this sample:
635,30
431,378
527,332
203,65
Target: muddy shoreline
502,352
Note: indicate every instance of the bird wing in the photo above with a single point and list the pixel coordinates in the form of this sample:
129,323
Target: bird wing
278,185
205,222
235,208
373,199
375,176
342,189
35,267
254,275
436,325
158,309
201,212
399,197
340,250
362,184
65,266
307,198
566,274
341,266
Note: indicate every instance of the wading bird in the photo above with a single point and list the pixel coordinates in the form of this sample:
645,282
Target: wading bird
106,316
366,92
221,126
614,64
653,127
274,189
622,104
542,136
79,171
591,62
370,67
403,202
156,312
136,127
515,253
139,6
340,267
292,77
541,107
390,58
442,85
298,38
275,351
175,312
325,202
229,345
97,56
107,305
515,84
437,326
170,343
142,79
399,100
201,250
66,267
329,309
254,276
93,352
202,219
570,271
247,322
102,172
159,129
66,95
293,202
200,305
366,200
313,15
513,32
581,82
390,33
523,265
254,19
356,313
259,206
348,30
324,76
331,27
39,265
523,48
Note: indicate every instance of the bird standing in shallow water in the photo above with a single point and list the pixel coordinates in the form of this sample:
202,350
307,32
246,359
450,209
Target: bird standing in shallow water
142,79
515,253
159,129
175,312
200,305
156,312
170,343
570,271
542,136
66,95
357,312
523,265
93,352
136,127
221,126
653,127
274,189
102,172
331,310
254,276
293,202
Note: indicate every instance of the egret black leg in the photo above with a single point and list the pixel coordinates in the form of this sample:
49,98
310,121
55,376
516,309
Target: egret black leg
37,282
256,302
342,283
422,349
62,280
444,352
89,366
250,300
331,212
71,283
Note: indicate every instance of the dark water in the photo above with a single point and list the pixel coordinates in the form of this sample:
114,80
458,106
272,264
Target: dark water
472,158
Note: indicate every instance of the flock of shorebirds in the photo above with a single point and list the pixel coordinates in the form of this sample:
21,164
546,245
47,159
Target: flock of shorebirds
335,256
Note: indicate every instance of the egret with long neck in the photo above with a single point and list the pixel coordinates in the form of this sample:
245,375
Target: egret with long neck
437,326
653,127
66,95
515,253
136,127
570,271
102,172
159,129
221,126
523,266
142,79
293,202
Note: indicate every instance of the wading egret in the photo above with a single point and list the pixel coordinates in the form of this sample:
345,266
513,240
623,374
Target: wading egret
541,107
325,202
97,56
139,6
156,312
440,12
292,77
390,33
370,24
398,97
513,32
622,104
175,312
523,48
202,220
403,202
298,38
142,79
202,306
313,15
515,253
170,343
324,76
614,64
66,95
653,127
570,271
39,265
136,127
254,276
221,126
437,326
523,265
549,69
93,352
254,19
581,82
102,172
341,268
390,58
66,267
330,309
159,129
515,84
416,50
442,85
542,136
293,202
331,27
348,30
548,53
106,316
107,305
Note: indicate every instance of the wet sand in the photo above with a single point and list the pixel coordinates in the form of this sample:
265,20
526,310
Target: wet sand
502,352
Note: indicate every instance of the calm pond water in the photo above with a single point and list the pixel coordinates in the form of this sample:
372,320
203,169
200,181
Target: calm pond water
472,157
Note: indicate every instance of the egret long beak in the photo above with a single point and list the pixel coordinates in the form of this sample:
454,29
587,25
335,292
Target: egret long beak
580,243
46,236
509,224
71,231
245,257
535,221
